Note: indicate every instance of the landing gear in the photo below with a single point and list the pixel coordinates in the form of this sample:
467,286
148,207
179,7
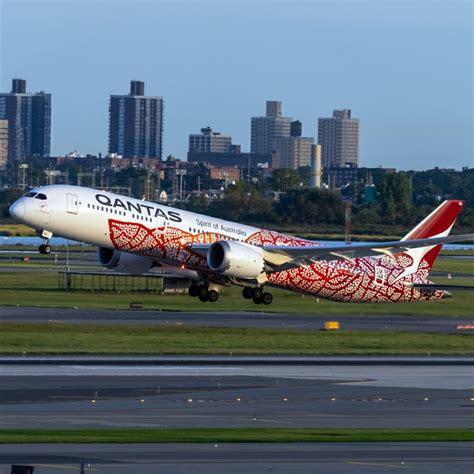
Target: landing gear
247,292
267,298
212,296
203,293
45,248
257,295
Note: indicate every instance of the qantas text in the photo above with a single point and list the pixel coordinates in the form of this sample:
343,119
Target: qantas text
140,208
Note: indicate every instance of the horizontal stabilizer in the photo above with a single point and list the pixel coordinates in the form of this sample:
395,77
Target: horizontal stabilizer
434,286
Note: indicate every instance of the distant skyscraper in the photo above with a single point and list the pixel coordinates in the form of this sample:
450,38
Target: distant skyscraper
339,139
209,142
3,143
273,108
292,152
136,123
265,129
296,128
29,121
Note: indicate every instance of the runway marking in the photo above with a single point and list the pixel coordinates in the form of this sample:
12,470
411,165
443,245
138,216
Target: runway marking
266,420
59,466
378,464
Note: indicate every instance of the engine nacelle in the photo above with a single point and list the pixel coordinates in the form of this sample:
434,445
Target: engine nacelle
236,259
124,262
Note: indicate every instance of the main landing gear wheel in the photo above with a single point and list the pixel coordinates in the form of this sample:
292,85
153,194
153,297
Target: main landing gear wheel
247,292
44,249
203,293
193,290
257,295
212,296
267,298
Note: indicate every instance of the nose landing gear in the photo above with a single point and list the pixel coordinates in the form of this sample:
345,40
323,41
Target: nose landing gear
45,248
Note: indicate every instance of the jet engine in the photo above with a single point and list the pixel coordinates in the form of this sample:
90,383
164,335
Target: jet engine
236,259
124,262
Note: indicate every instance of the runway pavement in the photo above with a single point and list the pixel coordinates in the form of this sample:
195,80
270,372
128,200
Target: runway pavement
351,393
235,458
233,319
330,396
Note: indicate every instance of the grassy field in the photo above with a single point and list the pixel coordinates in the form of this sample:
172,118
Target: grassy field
16,230
40,288
232,435
62,338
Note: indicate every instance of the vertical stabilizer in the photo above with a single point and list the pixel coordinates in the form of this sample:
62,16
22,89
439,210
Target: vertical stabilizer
437,224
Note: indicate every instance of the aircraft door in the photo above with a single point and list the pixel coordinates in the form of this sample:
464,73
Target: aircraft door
72,203
160,223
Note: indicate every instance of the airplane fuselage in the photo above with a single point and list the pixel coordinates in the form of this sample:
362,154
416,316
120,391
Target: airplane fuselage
167,234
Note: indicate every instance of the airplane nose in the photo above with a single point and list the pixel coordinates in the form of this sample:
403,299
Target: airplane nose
17,209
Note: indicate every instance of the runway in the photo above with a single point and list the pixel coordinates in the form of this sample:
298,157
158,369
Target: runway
231,392
235,458
253,395
438,324
245,395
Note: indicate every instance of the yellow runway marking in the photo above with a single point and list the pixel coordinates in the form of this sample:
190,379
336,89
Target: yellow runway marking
399,466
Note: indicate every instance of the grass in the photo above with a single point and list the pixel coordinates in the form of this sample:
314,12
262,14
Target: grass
40,288
232,435
62,338
454,265
16,230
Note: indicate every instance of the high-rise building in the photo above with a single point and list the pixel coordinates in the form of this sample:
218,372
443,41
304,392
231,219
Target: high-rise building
209,142
265,129
273,108
136,123
3,143
292,152
339,139
29,121
296,128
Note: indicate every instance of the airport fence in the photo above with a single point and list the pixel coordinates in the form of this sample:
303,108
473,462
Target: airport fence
100,281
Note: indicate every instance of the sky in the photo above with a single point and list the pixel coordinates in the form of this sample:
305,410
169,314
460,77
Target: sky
405,68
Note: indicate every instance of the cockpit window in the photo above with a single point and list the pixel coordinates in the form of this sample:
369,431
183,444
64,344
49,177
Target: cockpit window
30,195
41,196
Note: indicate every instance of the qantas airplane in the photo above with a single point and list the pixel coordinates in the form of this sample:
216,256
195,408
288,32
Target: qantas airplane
133,236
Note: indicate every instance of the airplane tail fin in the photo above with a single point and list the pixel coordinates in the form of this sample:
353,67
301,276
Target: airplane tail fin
437,224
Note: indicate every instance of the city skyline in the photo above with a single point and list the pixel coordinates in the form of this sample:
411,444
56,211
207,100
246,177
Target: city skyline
412,91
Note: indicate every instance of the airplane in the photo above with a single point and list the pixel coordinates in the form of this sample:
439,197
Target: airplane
133,236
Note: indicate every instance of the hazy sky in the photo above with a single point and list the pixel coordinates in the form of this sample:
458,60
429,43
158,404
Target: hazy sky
403,67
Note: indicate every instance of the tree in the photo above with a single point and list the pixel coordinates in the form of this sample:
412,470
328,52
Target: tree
284,179
7,198
309,206
395,198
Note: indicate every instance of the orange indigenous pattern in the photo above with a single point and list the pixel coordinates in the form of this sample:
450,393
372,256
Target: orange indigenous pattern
368,279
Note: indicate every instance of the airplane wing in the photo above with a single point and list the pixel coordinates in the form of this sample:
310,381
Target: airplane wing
283,257
357,250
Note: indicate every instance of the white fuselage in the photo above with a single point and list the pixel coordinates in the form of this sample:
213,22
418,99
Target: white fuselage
83,214
173,236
